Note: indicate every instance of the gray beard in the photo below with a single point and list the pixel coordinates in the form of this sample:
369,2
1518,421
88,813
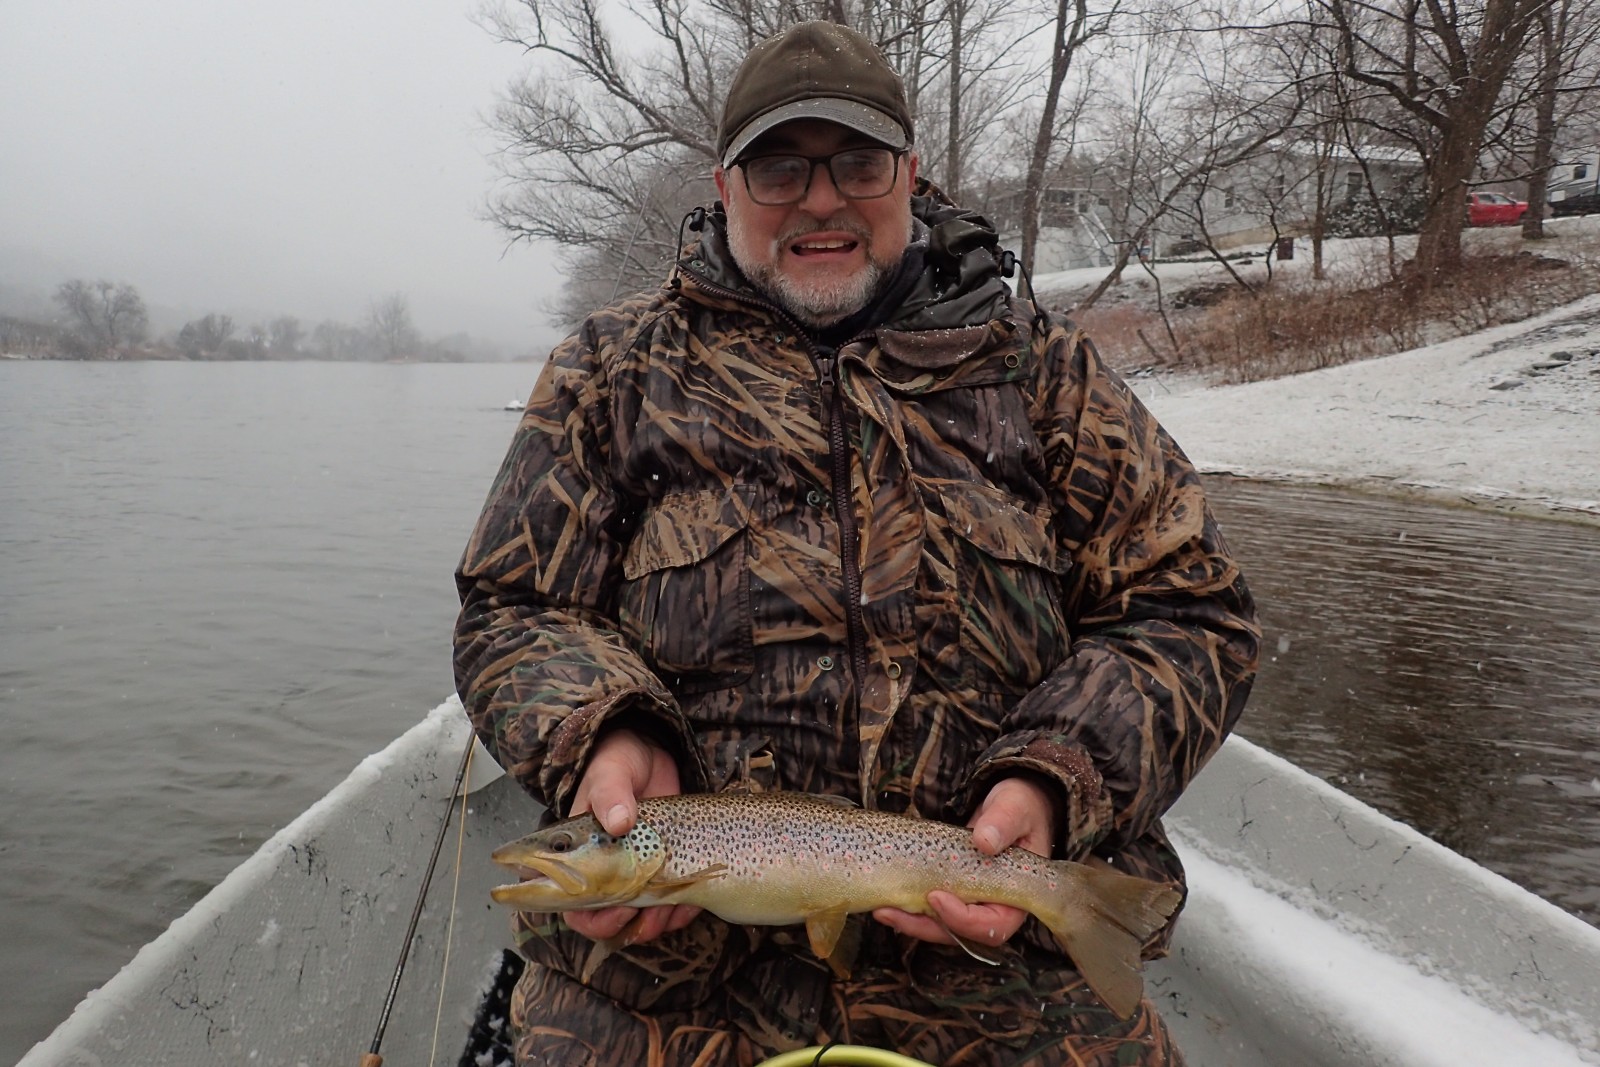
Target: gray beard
823,307
812,305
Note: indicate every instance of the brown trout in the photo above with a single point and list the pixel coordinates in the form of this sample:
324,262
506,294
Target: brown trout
772,859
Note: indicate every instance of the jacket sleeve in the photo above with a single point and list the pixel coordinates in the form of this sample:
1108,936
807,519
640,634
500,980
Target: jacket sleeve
540,663
1164,635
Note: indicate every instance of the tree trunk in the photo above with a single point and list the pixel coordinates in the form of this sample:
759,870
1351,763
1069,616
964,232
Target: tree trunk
952,167
1070,18
1439,242
1544,127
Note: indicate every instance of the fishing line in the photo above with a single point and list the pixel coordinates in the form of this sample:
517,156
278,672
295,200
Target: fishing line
462,787
371,1057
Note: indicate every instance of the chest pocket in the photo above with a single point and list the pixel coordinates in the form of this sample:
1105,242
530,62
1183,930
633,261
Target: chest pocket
1013,632
685,598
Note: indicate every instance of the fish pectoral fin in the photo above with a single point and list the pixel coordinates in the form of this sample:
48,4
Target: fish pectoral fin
598,952
978,951
842,959
604,947
661,886
825,929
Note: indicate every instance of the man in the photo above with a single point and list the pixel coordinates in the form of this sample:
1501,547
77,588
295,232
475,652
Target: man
832,511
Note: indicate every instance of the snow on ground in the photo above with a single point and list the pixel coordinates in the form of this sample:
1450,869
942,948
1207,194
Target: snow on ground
1509,416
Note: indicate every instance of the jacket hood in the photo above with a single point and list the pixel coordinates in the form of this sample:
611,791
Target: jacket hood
961,284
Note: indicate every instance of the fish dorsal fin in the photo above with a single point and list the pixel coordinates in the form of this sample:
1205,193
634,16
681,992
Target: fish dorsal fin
825,928
660,887
831,799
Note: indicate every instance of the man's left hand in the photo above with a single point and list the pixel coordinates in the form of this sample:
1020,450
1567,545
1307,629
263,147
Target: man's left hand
1017,811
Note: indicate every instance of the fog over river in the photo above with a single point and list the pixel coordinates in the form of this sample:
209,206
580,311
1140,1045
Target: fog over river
221,585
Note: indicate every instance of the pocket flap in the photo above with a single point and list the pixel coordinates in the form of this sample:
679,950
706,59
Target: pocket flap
685,528
999,525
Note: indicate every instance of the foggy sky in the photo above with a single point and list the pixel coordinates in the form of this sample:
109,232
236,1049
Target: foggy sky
302,157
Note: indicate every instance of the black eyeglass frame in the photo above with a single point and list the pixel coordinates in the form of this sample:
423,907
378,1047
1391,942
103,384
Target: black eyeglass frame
811,172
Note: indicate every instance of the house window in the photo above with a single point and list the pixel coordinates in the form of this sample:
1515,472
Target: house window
1280,186
1352,185
1227,196
1580,170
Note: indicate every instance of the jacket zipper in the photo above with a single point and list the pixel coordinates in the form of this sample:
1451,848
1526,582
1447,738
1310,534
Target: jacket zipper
825,360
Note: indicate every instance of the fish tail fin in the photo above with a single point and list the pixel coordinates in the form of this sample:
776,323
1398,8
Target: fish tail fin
1104,928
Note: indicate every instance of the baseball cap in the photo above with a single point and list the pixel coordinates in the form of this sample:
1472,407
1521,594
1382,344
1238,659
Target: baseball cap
814,70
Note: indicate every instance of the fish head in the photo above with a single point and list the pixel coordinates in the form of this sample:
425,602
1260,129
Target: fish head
575,865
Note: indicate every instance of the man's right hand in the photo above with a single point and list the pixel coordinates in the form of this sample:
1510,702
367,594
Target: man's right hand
623,768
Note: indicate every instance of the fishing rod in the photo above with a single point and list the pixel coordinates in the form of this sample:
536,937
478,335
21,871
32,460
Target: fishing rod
371,1058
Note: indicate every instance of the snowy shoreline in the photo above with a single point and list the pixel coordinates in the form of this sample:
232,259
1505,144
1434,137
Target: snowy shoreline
1507,418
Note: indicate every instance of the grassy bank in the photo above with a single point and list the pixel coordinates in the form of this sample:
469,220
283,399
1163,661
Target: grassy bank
1265,320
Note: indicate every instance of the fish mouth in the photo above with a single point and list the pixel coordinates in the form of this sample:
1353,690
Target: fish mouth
542,870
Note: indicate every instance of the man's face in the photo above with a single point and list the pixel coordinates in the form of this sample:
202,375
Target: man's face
824,257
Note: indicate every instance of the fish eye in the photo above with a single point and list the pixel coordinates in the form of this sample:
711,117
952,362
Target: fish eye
560,843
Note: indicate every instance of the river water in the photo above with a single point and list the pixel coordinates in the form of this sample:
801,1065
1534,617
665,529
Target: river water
222,585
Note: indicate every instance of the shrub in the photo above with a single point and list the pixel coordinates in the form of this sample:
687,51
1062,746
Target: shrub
1364,217
1296,324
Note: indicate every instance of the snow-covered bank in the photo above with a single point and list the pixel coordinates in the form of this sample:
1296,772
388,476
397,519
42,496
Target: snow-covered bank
1508,417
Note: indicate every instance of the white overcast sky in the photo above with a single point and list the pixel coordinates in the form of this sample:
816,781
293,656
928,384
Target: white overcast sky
302,157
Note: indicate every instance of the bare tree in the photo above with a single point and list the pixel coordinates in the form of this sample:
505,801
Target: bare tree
968,73
389,325
1188,103
285,335
606,145
102,316
1072,28
1566,84
338,341
203,338
1444,65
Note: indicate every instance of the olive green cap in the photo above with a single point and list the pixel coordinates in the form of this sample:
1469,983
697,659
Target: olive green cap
814,70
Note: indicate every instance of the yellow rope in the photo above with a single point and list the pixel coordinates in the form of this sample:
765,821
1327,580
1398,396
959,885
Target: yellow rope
455,891
842,1056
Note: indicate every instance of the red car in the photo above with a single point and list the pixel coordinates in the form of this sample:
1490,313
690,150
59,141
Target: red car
1494,209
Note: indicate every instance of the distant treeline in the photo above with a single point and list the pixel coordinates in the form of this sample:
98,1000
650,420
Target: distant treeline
105,320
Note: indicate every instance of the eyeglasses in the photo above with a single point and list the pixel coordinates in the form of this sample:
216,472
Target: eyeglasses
858,174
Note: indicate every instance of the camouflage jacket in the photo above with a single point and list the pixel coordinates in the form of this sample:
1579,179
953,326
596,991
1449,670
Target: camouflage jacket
1026,578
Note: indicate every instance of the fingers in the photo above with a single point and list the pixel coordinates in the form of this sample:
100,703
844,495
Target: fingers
987,924
918,926
622,768
1016,811
601,924
652,922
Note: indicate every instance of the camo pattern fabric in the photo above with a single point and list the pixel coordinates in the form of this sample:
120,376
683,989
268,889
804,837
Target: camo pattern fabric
1042,590
927,1002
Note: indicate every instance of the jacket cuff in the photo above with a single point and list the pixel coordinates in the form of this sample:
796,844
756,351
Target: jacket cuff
574,737
1083,807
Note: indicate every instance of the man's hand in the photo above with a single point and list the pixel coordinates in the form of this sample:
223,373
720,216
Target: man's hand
623,768
1017,811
